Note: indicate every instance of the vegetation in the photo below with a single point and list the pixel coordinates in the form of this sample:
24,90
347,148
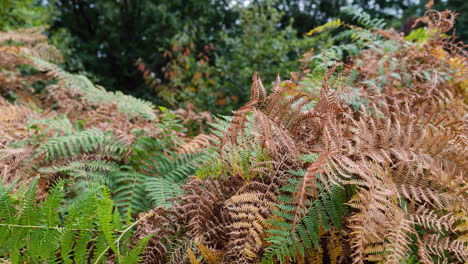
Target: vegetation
191,48
259,45
359,158
82,145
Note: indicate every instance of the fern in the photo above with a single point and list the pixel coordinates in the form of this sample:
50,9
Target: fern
155,174
56,231
56,125
172,172
325,27
350,42
7,214
388,121
82,142
96,94
161,190
243,157
129,191
104,213
289,240
50,239
363,18
134,256
98,171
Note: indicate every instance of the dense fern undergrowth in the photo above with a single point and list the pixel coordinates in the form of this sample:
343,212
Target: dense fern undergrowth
360,158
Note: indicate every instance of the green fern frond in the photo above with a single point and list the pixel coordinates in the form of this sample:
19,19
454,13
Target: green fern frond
47,241
290,241
105,218
363,18
7,213
129,193
96,171
242,157
100,252
172,173
178,166
156,173
134,256
83,142
147,152
28,213
56,231
161,190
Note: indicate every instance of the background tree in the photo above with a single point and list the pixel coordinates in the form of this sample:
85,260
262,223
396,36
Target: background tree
260,44
23,13
218,78
111,35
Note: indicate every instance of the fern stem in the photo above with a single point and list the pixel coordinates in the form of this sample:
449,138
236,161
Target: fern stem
51,227
117,241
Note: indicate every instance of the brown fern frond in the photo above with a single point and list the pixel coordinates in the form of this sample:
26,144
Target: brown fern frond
163,224
177,252
202,207
11,78
442,21
275,114
275,138
375,217
211,256
192,257
28,36
423,254
190,115
257,91
249,210
409,161
307,188
438,246
277,85
11,160
197,144
15,50
335,247
13,120
430,220
398,238
237,124
402,143
16,166
35,44
427,195
64,99
240,116
46,52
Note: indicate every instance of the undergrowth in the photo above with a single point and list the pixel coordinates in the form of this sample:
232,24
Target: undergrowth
360,158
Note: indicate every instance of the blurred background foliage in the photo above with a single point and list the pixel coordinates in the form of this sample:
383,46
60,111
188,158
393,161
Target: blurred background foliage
197,52
24,13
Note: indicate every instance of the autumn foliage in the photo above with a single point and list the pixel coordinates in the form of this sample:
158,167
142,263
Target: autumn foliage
359,158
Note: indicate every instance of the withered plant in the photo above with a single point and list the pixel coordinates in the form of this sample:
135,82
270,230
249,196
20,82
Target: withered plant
362,160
